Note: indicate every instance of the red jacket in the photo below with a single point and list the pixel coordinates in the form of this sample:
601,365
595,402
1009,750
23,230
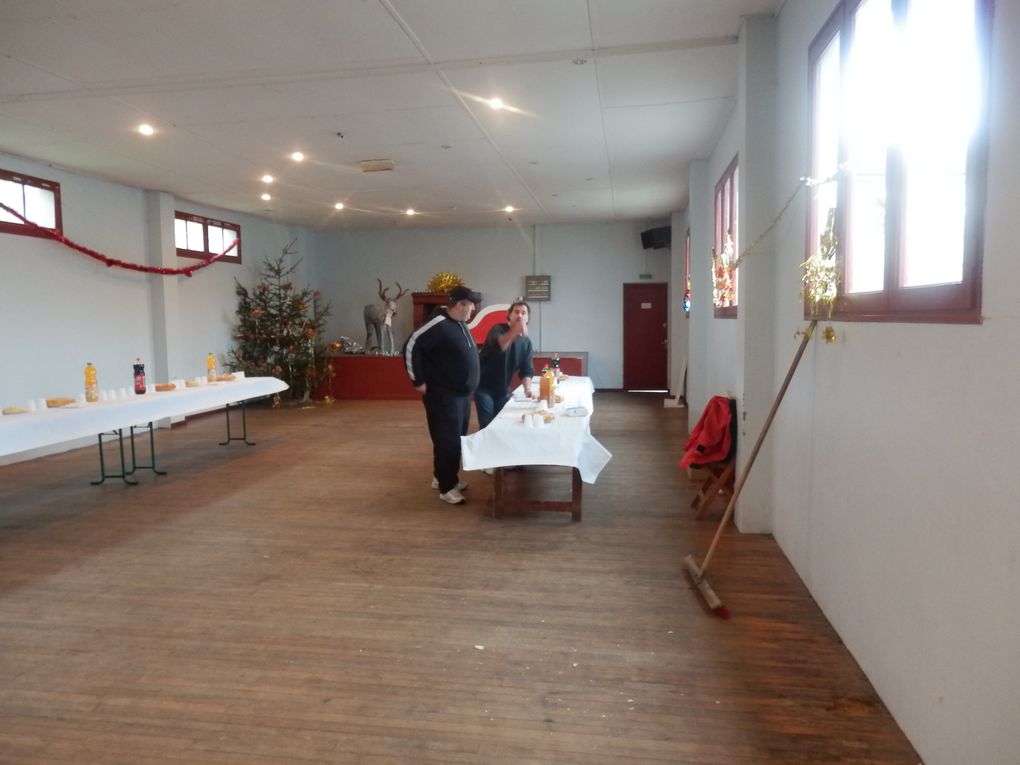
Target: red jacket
711,438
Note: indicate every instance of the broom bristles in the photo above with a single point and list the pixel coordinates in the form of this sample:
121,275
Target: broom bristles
707,593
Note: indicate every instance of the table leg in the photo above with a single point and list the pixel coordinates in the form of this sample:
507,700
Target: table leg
244,427
152,452
497,493
124,473
575,496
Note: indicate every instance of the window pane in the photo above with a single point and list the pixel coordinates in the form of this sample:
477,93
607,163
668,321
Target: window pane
940,118
10,195
40,206
216,245
196,239
180,233
825,157
870,108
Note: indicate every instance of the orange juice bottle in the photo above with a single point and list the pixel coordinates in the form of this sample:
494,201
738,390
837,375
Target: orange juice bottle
91,384
210,367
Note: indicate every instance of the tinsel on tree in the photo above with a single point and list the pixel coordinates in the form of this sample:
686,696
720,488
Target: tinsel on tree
279,329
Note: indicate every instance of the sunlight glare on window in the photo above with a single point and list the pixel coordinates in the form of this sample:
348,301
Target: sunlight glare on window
10,195
826,135
871,106
40,207
941,113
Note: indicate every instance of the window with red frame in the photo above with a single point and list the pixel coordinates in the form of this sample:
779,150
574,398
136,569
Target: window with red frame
899,103
36,199
724,275
200,237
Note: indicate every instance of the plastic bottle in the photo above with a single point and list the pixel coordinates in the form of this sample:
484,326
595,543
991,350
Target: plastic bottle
139,377
91,384
547,387
556,366
210,367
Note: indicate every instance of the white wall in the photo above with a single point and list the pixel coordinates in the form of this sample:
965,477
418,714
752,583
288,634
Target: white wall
893,486
60,308
588,264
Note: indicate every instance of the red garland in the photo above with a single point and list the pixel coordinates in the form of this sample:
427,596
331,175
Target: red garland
113,261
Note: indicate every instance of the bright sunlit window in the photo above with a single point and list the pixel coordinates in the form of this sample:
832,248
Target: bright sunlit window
199,237
33,198
899,97
725,244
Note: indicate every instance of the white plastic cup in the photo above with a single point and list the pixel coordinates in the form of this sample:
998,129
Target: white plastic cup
81,399
41,404
30,406
124,393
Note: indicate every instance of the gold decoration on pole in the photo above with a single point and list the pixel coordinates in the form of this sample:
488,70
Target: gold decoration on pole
444,281
821,273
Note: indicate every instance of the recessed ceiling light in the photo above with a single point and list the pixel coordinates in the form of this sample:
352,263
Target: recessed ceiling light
267,178
496,103
409,211
297,156
266,197
339,205
508,208
146,129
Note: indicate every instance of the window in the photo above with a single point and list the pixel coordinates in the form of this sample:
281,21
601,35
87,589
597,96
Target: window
724,252
34,198
898,101
199,237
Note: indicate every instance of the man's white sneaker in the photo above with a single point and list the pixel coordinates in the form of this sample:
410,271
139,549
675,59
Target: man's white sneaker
489,471
453,496
461,485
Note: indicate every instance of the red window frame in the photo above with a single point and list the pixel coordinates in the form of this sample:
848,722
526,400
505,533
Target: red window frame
726,200
938,303
234,256
19,228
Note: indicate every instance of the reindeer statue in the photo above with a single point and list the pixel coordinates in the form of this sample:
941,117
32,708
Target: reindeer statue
380,317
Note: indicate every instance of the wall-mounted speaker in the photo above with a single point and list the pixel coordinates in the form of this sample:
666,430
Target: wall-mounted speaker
657,238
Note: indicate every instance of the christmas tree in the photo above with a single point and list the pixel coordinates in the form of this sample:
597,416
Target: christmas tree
279,329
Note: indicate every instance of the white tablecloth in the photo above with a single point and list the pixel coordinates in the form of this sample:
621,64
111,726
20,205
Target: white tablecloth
33,430
565,441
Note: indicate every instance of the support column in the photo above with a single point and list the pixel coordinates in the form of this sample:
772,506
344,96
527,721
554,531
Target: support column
757,210
162,251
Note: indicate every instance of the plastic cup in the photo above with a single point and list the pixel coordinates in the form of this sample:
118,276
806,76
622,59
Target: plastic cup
30,406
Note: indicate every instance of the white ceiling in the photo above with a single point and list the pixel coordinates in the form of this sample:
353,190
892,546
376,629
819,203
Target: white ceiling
611,99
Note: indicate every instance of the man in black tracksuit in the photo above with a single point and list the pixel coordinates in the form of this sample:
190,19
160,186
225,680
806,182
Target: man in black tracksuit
442,362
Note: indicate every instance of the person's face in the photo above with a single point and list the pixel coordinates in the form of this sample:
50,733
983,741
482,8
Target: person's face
461,310
519,313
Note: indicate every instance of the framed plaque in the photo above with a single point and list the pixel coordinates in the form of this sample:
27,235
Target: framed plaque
538,288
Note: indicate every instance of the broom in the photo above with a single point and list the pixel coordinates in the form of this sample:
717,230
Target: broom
696,572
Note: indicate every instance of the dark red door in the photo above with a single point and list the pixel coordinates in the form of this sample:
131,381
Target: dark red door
644,336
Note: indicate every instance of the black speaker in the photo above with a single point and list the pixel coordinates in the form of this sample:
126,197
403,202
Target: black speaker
657,238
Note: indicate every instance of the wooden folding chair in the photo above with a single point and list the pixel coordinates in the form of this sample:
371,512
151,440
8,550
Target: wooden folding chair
718,483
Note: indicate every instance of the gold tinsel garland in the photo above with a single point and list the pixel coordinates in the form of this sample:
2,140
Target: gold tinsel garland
821,272
444,281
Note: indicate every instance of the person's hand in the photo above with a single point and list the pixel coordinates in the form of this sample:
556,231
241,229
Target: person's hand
528,393
420,388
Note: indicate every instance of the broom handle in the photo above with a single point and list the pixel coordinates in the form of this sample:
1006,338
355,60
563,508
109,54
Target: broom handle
757,445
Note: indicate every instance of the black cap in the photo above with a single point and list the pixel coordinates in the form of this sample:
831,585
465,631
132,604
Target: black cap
464,293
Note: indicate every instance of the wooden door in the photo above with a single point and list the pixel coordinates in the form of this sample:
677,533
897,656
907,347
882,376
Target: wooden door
644,336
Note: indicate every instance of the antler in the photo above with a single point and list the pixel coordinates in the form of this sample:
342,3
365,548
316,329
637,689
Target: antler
402,291
382,292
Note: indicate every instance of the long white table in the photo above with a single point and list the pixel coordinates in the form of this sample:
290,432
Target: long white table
566,441
34,430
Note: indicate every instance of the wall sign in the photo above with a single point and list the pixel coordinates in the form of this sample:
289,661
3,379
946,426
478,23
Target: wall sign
538,288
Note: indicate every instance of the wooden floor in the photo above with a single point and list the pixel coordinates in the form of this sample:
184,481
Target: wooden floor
310,600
